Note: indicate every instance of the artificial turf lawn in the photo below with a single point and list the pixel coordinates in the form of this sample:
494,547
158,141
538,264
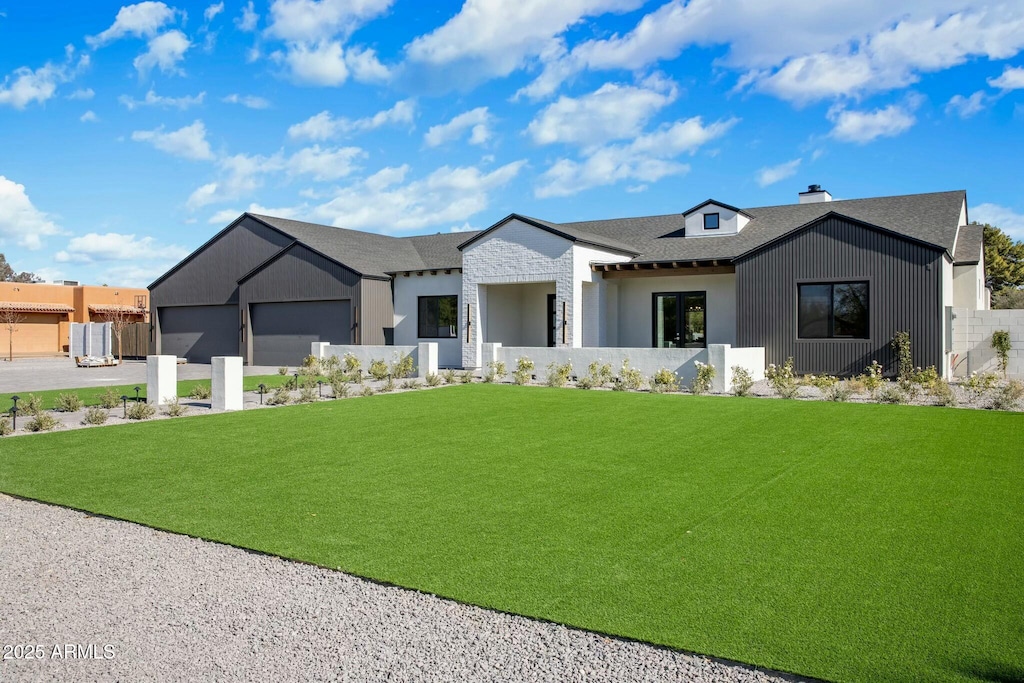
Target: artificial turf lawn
844,541
90,395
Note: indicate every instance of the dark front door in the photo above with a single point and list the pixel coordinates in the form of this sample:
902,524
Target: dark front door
552,320
679,320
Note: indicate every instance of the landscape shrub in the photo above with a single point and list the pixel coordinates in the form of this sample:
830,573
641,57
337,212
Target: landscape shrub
925,378
465,377
379,370
351,364
559,374
664,381
900,345
312,363
741,380
5,425
943,393
1008,395
402,366
68,403
340,390
337,380
411,384
496,371
630,379
200,392
307,395
599,374
449,376
782,379
140,410
702,382
891,394
42,422
281,396
820,382
388,386
1002,346
329,365
523,372
858,384
840,392
30,405
873,378
979,383
367,391
433,379
584,382
95,415
282,371
176,409
109,398
910,388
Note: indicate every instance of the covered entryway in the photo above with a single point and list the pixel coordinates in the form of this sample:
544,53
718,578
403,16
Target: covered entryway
522,314
283,332
199,332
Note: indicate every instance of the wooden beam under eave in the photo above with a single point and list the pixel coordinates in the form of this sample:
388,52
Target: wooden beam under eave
685,271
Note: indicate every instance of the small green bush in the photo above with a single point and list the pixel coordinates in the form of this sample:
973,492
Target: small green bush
449,376
200,392
820,382
311,363
465,377
523,372
402,366
943,393
741,381
282,371
388,386
42,422
926,378
703,381
379,370
1001,344
30,405
873,378
585,382
1008,396
782,379
5,425
96,415
352,364
140,410
664,381
281,396
341,390
433,379
892,394
559,374
839,392
496,371
109,398
68,403
176,409
410,385
910,388
979,383
630,379
329,365
900,345
307,395
858,384
367,391
598,374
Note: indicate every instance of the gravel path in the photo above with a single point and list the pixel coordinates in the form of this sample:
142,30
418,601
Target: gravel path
177,608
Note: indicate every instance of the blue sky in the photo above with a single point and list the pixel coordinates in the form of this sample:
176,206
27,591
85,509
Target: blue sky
130,134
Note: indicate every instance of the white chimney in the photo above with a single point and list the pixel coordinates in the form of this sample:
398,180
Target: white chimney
815,195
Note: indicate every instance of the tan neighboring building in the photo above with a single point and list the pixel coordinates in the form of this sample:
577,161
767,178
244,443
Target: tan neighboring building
46,311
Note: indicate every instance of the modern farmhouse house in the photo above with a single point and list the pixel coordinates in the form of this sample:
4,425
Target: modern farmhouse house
826,282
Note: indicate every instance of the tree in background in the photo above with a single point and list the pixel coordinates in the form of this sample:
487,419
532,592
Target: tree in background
7,273
1004,268
120,318
10,319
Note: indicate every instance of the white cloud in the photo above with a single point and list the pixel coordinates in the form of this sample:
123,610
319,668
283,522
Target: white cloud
324,164
20,220
864,126
966,107
142,20
154,100
646,159
113,246
324,126
495,37
82,94
250,101
315,20
29,86
188,142
365,67
164,51
88,117
612,112
769,175
212,11
477,120
1006,219
248,19
1012,78
321,63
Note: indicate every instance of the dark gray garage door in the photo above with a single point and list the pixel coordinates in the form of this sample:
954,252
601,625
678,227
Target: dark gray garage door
282,333
199,332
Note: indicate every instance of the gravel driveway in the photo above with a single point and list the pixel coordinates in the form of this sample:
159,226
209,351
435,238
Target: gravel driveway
170,608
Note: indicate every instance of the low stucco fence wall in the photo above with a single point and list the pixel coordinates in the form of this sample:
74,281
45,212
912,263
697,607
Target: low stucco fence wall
972,341
424,355
683,362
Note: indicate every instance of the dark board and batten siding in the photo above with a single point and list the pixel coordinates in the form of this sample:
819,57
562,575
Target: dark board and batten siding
377,313
904,294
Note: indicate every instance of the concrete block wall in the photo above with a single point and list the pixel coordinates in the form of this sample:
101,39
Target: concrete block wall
972,341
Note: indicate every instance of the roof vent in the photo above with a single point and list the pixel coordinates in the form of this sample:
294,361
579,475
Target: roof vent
815,195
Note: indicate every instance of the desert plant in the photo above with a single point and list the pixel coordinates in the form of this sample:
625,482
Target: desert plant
448,376
351,364
109,398
402,366
705,375
307,395
630,379
282,371
30,405
311,362
411,384
68,403
42,422
873,378
329,365
979,383
433,379
1001,345
496,371
782,379
367,391
943,393
900,345
910,388
840,392
337,380
341,390
176,409
465,377
5,425
820,382
140,410
95,415
559,374
585,382
379,370
925,378
663,381
388,386
1008,395
891,394
741,380
281,396
858,384
200,392
599,374
523,372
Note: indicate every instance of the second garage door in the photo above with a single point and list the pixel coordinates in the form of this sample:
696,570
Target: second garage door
282,333
199,332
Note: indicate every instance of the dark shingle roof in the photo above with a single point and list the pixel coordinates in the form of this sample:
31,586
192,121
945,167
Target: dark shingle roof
969,244
371,254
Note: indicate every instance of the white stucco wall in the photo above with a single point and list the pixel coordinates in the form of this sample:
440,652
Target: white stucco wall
517,314
636,308
407,292
729,222
969,287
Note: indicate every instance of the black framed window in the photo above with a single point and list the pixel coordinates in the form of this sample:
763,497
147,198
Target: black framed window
438,317
711,221
679,320
832,310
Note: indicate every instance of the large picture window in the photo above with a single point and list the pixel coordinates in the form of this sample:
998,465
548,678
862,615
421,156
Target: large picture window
679,320
438,317
833,310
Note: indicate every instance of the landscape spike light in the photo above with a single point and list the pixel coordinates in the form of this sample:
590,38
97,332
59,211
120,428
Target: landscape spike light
14,412
320,387
137,394
263,390
124,403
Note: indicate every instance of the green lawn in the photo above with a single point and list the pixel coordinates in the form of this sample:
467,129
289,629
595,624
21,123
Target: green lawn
90,395
847,542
